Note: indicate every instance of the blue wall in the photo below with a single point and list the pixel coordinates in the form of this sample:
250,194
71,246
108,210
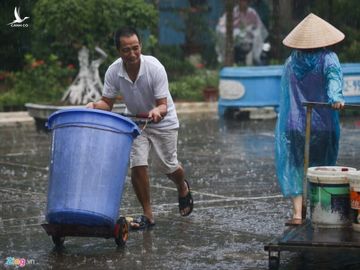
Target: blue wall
172,19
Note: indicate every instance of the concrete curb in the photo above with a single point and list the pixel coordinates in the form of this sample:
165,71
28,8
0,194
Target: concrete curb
22,117
15,118
196,107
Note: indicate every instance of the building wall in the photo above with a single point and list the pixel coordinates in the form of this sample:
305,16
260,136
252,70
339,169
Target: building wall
174,15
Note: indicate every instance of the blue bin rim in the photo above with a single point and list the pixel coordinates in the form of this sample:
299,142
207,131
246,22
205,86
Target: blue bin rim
271,70
251,72
94,111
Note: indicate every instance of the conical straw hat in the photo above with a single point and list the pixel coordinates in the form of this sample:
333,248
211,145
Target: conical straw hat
313,32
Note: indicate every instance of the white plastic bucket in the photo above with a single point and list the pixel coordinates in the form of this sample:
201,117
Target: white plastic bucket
354,181
329,196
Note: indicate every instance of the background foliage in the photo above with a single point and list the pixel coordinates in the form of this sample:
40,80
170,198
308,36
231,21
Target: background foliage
191,87
58,30
46,78
68,25
35,61
345,16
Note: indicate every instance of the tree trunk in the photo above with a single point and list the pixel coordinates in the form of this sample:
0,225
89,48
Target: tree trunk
229,40
276,42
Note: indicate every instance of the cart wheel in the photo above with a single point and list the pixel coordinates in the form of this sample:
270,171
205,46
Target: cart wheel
121,232
273,263
58,241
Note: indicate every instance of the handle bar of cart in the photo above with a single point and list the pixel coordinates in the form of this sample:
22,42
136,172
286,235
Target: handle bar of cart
139,119
309,106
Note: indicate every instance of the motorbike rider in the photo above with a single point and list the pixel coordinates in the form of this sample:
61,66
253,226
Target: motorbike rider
248,31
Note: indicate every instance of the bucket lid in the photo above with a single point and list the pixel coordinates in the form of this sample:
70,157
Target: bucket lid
354,177
354,174
98,119
329,174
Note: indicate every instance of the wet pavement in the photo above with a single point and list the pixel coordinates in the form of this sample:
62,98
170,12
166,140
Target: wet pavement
238,206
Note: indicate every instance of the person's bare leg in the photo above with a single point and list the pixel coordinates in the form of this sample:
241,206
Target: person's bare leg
297,214
297,207
141,185
178,178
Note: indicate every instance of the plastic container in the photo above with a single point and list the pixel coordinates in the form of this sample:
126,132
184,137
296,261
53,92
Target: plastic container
351,83
354,180
89,162
242,87
329,196
259,86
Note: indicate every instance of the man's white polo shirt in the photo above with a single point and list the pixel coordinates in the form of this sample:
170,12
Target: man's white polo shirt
140,96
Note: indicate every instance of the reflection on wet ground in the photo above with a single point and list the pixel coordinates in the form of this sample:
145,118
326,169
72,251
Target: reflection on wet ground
238,206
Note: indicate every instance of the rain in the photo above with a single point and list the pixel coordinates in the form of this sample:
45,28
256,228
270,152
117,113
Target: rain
238,205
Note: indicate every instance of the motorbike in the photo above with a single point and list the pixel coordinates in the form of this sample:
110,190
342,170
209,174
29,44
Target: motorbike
244,51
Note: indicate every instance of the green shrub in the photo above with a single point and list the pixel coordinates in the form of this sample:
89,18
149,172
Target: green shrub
41,81
173,59
190,88
45,81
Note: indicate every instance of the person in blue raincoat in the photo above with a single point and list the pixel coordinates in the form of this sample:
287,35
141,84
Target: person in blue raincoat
311,73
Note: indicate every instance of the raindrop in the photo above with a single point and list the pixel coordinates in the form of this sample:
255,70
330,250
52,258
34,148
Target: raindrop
1,225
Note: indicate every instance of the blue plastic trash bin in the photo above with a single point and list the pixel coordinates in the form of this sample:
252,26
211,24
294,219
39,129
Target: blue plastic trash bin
90,151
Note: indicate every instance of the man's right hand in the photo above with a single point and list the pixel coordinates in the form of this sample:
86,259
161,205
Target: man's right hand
104,103
90,105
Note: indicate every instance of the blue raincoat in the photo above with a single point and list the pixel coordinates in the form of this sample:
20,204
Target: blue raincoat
313,76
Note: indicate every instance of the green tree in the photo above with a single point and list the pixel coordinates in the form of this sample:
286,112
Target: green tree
63,27
58,30
229,42
345,16
69,27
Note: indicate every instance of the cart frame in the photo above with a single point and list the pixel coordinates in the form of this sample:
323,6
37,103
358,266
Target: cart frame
303,237
58,232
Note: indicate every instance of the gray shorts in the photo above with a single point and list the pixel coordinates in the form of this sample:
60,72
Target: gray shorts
161,144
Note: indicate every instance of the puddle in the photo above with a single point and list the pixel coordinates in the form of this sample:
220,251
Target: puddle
238,206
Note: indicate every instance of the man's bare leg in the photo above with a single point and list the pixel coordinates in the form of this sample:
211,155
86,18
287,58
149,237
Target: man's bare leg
141,185
178,178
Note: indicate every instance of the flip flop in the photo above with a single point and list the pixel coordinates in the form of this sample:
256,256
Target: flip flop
186,202
143,223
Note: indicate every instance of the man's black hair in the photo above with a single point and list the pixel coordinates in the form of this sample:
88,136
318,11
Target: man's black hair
126,31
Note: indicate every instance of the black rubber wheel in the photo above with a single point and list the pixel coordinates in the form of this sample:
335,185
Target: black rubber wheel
121,232
274,263
58,241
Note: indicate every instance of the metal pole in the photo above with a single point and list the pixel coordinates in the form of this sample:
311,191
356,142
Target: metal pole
306,159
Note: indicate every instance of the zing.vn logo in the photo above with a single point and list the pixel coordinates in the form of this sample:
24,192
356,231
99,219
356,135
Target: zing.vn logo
18,21
18,262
